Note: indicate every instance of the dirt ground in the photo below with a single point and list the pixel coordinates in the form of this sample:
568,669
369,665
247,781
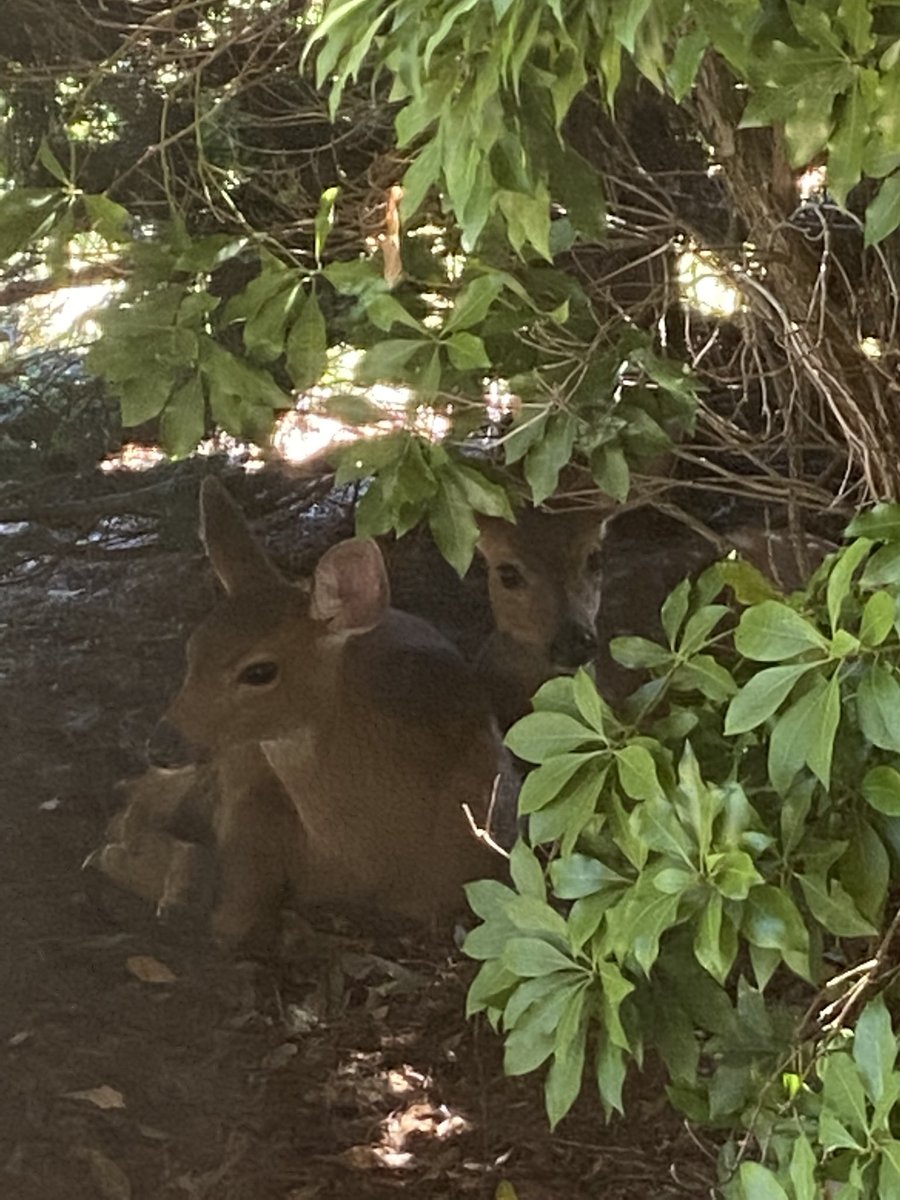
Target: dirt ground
138,1062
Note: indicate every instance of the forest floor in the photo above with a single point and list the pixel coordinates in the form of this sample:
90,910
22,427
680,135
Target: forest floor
137,1061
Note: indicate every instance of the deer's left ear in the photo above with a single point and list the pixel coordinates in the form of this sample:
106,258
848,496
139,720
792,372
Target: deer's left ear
350,588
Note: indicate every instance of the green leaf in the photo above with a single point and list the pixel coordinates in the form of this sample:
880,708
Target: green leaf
546,783
51,163
531,956
881,788
306,346
324,219
889,1170
142,399
802,1170
759,1183
834,908
877,619
771,920
820,745
843,1094
610,470
386,360
547,457
489,898
265,330
540,735
183,421
526,872
384,311
791,738
453,525
759,698
492,984
674,610
841,575
685,63
590,704
107,217
715,940
770,632
25,214
855,18
467,352
878,706
883,214
881,523
637,773
639,652
472,304
846,145
578,875
610,1073
564,1077
874,1048
865,870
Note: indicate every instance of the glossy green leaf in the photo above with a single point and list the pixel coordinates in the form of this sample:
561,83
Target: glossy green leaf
183,421
883,213
759,1183
526,871
878,706
833,908
637,773
877,619
880,523
874,1048
771,632
540,735
306,346
532,956
761,696
548,456
881,788
841,575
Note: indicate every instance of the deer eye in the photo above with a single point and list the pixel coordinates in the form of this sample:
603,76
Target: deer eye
258,674
594,562
510,576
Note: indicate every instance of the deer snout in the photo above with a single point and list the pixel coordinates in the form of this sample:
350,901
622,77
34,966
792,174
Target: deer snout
169,749
575,644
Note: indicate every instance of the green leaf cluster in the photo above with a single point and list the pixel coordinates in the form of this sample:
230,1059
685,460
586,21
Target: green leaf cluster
696,858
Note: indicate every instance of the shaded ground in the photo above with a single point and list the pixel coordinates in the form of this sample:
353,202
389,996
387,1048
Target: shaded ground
351,1073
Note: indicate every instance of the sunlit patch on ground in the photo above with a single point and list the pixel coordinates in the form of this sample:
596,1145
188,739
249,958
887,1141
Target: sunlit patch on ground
414,1118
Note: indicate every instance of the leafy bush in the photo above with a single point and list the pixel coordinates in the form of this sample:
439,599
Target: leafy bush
706,873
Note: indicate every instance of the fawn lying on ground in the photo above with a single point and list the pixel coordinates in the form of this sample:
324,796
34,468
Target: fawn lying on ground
349,741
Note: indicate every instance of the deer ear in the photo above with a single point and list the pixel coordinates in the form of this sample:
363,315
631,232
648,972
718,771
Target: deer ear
350,589
238,560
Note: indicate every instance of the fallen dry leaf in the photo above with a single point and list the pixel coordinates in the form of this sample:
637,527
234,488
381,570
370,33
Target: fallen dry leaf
149,970
279,1057
103,1097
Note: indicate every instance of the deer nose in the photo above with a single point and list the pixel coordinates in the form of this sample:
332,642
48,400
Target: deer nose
170,749
573,645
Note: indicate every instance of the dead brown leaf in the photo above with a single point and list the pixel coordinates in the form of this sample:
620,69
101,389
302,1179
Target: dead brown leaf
149,970
103,1097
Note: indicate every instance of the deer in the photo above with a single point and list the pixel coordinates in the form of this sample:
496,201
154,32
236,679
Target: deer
544,583
354,753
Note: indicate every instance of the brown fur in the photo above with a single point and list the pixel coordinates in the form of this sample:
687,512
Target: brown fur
553,561
344,778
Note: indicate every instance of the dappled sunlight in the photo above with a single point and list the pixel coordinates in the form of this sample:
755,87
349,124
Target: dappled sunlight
415,1118
704,284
